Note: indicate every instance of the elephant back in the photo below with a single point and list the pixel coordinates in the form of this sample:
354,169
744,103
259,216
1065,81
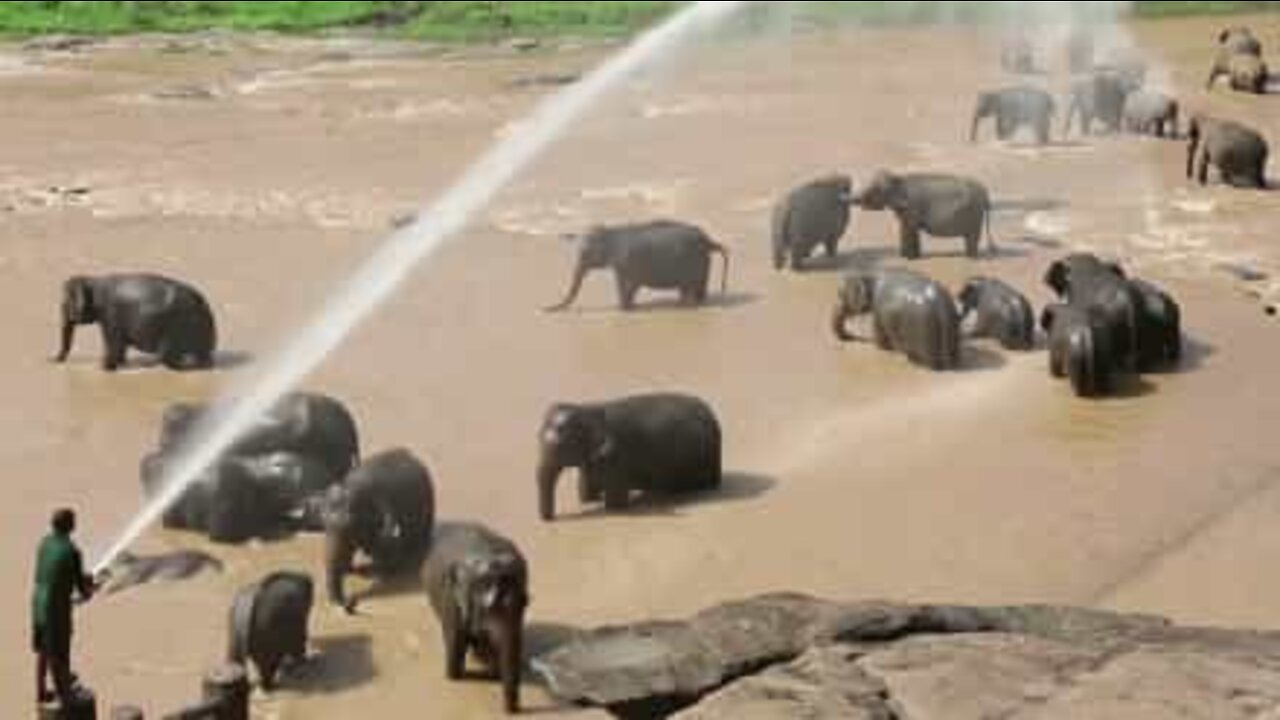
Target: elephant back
819,210
238,510
468,546
670,439
392,504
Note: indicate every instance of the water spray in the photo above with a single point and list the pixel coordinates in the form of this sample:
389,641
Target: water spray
397,257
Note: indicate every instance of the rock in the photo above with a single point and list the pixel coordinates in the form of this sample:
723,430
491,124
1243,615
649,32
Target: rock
783,656
59,43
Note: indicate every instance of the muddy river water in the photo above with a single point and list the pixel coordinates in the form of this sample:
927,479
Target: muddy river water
263,171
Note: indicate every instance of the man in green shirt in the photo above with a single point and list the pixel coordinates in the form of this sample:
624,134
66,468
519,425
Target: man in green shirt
59,574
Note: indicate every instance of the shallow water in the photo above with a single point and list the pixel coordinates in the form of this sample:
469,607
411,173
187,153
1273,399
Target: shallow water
854,474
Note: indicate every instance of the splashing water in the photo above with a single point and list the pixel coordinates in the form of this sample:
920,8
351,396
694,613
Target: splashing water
373,283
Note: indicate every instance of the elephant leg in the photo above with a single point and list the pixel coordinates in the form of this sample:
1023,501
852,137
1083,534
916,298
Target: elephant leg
881,336
973,244
268,671
832,247
115,350
1202,168
910,242
455,644
1042,131
588,491
627,290
799,257
616,496
1055,366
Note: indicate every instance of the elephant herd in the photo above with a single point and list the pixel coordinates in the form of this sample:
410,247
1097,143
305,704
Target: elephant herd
300,467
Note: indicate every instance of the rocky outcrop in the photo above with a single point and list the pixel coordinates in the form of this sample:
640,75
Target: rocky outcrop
788,656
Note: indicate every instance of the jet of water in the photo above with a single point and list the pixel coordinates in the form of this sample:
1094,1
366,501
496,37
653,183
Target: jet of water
379,277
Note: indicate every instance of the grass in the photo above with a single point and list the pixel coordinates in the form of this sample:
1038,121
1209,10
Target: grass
464,20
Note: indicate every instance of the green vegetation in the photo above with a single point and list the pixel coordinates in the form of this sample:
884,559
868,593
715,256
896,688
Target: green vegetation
468,20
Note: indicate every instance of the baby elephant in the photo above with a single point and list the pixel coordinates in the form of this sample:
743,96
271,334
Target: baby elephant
1003,313
911,313
478,585
663,444
1246,73
269,624
813,215
1151,113
1079,348
940,205
1015,108
1239,152
661,255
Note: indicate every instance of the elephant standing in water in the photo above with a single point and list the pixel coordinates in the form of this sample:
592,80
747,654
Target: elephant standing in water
1003,313
386,510
1014,108
1240,58
814,214
1239,152
1100,98
662,255
149,313
940,205
911,314
268,624
1084,281
1152,113
1159,328
665,444
1079,348
478,585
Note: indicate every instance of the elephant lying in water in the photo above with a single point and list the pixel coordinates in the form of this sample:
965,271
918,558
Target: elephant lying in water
149,313
813,215
385,510
1003,313
269,624
1239,152
940,205
662,255
1014,108
478,585
911,314
665,444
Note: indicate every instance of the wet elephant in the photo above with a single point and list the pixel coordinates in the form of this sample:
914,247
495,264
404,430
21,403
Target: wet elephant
1239,152
911,314
1001,312
307,424
1149,112
662,444
1015,108
478,585
226,502
1159,328
941,205
1079,349
269,624
813,215
385,510
659,255
1099,98
148,313
1085,281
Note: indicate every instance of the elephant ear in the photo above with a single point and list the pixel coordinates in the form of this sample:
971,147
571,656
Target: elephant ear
602,445
1056,277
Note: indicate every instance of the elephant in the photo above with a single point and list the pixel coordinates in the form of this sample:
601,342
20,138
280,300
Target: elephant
1239,152
911,314
306,424
662,255
386,510
1003,313
268,624
662,444
1247,73
149,313
812,215
1015,107
1079,348
1099,98
1159,328
941,205
1152,113
1083,280
478,585
1239,40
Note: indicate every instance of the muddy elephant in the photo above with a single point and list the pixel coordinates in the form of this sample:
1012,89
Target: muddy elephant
813,215
307,424
1079,349
149,313
660,255
478,585
1239,152
1083,280
1159,328
268,624
1099,98
385,510
1246,73
1148,112
911,314
940,205
663,444
1001,311
1014,108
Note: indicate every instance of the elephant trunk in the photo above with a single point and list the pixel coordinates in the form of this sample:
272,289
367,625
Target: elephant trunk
840,322
548,476
579,274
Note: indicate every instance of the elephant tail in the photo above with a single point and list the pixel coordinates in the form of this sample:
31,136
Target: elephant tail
724,254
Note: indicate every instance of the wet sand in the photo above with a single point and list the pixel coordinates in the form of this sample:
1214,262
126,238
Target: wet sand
853,474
